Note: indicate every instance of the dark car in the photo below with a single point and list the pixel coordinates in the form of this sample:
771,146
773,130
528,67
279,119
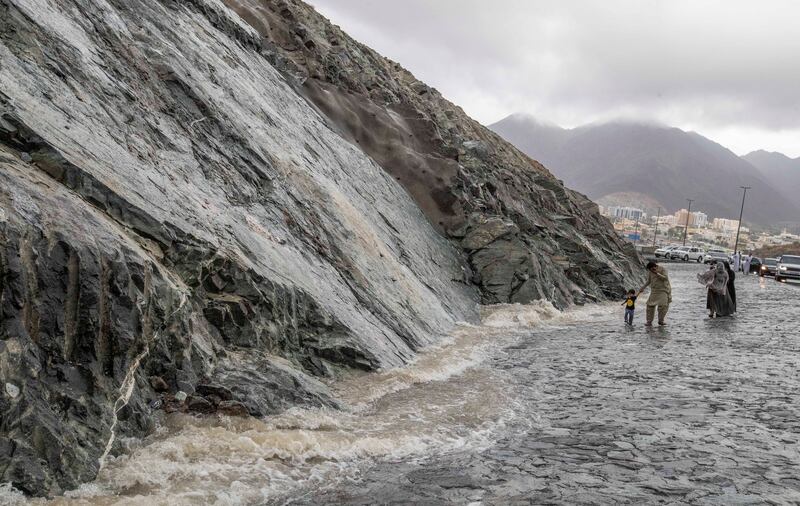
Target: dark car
755,265
768,267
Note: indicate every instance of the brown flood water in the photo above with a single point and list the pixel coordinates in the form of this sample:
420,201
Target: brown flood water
450,398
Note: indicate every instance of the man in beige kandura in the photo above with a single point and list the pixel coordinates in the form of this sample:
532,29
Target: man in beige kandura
660,293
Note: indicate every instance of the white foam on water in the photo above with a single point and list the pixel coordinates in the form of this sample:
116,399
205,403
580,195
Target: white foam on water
518,315
468,346
10,496
449,398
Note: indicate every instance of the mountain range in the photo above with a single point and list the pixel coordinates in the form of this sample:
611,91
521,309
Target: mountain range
659,164
782,171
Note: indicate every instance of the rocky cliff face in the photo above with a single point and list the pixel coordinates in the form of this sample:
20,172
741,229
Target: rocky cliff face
228,201
527,237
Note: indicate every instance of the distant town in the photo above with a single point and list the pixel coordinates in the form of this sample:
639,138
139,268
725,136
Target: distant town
656,229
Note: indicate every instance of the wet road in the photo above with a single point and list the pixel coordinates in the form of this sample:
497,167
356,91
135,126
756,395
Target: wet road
703,411
532,406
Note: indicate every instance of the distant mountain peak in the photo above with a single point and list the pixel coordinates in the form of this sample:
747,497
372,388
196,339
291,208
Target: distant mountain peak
630,121
527,118
765,153
779,168
631,156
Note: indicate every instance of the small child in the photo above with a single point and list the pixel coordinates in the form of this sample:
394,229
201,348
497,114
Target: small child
630,306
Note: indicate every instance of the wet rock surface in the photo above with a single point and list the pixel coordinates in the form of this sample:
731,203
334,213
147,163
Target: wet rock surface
185,209
168,202
464,177
701,412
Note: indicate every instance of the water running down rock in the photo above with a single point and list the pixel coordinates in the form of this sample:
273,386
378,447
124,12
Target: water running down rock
156,152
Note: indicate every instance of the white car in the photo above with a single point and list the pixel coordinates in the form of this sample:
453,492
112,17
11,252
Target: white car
664,251
788,268
716,255
687,253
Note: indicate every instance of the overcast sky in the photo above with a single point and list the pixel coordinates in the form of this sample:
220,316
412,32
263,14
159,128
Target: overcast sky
728,69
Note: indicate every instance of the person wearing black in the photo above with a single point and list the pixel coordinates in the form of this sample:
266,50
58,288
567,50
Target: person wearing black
731,285
718,300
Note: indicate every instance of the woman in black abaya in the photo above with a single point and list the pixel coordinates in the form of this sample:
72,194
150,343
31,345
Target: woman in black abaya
731,286
718,300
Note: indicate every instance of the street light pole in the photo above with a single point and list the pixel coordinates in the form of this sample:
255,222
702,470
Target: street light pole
688,215
655,234
741,212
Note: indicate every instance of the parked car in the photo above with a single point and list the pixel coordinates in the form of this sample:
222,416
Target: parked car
687,253
768,267
664,251
788,268
716,255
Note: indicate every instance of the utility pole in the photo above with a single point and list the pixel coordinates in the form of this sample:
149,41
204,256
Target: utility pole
741,211
688,215
655,234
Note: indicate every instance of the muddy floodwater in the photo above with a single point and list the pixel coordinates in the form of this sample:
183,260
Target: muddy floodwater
533,405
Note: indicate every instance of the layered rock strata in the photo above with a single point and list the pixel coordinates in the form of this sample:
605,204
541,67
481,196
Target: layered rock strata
167,200
542,240
209,206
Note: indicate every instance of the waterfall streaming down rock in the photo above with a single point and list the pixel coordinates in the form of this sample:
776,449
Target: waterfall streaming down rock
322,209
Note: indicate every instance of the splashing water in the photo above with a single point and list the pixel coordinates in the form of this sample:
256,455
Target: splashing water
9,496
449,398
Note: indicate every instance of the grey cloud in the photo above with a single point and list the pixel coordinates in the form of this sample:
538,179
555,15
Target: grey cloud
713,65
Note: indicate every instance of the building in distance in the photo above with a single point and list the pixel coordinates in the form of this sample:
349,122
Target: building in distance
724,224
628,213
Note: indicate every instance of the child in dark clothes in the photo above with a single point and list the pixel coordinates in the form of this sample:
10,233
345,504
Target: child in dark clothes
630,306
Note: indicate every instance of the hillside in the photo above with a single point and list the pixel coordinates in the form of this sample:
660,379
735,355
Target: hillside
231,200
666,164
776,251
783,172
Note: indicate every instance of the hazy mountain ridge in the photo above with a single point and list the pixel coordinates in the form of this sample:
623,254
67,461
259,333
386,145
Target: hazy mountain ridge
666,163
781,170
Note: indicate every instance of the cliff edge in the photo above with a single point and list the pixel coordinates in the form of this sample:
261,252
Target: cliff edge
230,202
525,234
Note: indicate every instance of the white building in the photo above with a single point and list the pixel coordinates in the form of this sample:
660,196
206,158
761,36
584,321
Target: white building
699,219
696,219
724,224
629,213
781,239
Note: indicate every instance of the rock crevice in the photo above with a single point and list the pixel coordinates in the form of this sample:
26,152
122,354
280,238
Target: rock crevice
204,206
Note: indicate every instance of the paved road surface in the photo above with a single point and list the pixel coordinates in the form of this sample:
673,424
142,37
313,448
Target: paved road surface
703,411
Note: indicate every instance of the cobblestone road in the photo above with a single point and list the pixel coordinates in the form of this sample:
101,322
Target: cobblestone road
703,411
